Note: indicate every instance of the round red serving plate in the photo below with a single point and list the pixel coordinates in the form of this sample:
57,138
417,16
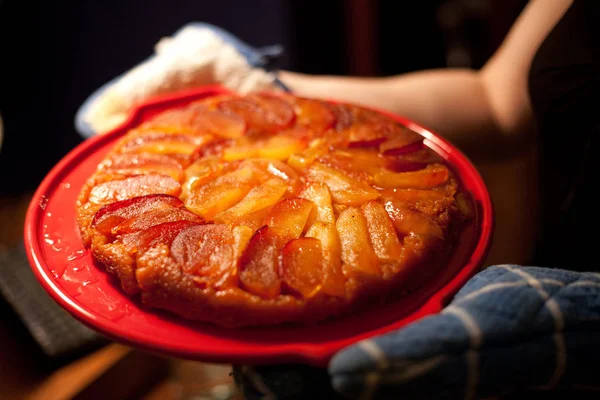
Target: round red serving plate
66,270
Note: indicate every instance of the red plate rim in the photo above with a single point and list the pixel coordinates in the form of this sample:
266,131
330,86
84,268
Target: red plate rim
215,350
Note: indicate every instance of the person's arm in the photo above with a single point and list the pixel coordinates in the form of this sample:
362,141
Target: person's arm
477,110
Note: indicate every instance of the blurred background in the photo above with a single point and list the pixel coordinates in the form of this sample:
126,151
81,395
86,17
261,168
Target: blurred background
53,54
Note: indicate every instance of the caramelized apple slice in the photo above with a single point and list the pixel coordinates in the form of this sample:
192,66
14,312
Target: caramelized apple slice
338,208
277,111
201,172
213,148
401,148
265,169
141,164
357,163
344,189
111,215
432,176
292,216
301,268
314,114
220,193
253,220
258,266
179,120
301,161
412,161
151,218
276,147
134,186
158,234
261,113
401,165
278,169
281,170
220,124
365,136
357,253
281,147
174,121
206,167
382,233
408,222
243,149
241,237
334,282
205,251
344,117
405,142
259,198
163,143
370,129
319,194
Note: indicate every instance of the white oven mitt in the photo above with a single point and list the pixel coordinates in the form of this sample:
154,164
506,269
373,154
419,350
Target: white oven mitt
198,54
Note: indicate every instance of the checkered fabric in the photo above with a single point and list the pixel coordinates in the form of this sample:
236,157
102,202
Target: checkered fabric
509,330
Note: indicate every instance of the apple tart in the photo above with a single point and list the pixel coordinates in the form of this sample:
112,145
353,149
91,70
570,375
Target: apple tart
265,209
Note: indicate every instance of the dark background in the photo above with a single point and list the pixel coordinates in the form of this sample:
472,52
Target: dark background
53,54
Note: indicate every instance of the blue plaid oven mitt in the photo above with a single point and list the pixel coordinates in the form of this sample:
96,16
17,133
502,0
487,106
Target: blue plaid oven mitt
508,329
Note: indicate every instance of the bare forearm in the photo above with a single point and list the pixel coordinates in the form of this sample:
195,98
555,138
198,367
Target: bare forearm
485,112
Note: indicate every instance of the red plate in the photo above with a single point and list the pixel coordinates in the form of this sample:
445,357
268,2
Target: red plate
66,270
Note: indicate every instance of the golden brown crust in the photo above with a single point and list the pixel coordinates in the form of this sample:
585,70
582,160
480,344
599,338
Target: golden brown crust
263,210
117,260
165,285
